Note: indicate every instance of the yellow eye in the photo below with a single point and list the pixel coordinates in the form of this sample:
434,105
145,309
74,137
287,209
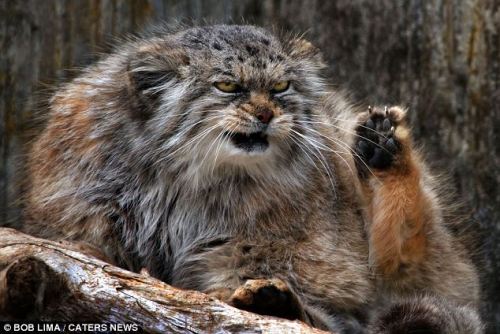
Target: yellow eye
281,86
227,87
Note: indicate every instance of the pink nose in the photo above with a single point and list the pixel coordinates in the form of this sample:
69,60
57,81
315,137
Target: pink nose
264,115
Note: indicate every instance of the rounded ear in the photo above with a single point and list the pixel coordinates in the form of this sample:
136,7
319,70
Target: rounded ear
151,69
153,64
303,50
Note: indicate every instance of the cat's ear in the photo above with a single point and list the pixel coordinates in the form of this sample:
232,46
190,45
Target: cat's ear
151,69
303,50
155,63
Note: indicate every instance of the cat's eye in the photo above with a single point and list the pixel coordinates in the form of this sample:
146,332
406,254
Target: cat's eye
280,87
227,87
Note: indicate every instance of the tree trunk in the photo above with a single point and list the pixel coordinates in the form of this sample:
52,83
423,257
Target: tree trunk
51,281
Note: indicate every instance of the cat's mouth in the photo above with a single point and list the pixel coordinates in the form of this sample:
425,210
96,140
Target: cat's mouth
250,142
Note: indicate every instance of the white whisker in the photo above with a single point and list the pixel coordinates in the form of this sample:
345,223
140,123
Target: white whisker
345,146
321,159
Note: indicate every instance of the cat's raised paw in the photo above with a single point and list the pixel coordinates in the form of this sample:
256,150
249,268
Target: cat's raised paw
380,138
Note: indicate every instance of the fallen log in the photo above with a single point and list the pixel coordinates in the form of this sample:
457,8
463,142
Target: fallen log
45,280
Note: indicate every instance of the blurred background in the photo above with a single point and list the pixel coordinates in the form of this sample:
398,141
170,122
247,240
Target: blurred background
440,58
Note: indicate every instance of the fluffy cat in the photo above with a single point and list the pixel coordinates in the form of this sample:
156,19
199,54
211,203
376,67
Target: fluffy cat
219,159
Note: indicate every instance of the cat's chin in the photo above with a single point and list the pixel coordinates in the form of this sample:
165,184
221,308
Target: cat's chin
250,143
247,151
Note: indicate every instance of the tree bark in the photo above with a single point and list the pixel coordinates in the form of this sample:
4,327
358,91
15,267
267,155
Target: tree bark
52,281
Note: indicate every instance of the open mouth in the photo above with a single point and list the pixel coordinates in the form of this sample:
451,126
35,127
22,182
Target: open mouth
249,142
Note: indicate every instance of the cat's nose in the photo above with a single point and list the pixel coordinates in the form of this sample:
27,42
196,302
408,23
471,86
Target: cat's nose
265,115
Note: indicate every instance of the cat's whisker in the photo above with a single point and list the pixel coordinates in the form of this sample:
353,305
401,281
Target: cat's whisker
350,121
345,146
198,138
227,132
339,154
325,166
349,132
182,133
190,127
208,151
342,144
323,146
302,147
322,159
331,124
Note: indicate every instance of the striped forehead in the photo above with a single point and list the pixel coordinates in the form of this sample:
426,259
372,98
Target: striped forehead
252,71
239,54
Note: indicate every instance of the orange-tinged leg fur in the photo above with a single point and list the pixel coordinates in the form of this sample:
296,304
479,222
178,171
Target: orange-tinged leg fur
397,205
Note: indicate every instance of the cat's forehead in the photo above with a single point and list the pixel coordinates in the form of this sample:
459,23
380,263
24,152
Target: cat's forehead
243,51
248,40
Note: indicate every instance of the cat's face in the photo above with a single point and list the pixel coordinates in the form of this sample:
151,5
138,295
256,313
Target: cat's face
238,96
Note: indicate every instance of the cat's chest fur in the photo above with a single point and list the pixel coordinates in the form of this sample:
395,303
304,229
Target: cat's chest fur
176,221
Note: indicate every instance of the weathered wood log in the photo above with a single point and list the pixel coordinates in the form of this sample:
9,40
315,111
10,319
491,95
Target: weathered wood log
51,281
